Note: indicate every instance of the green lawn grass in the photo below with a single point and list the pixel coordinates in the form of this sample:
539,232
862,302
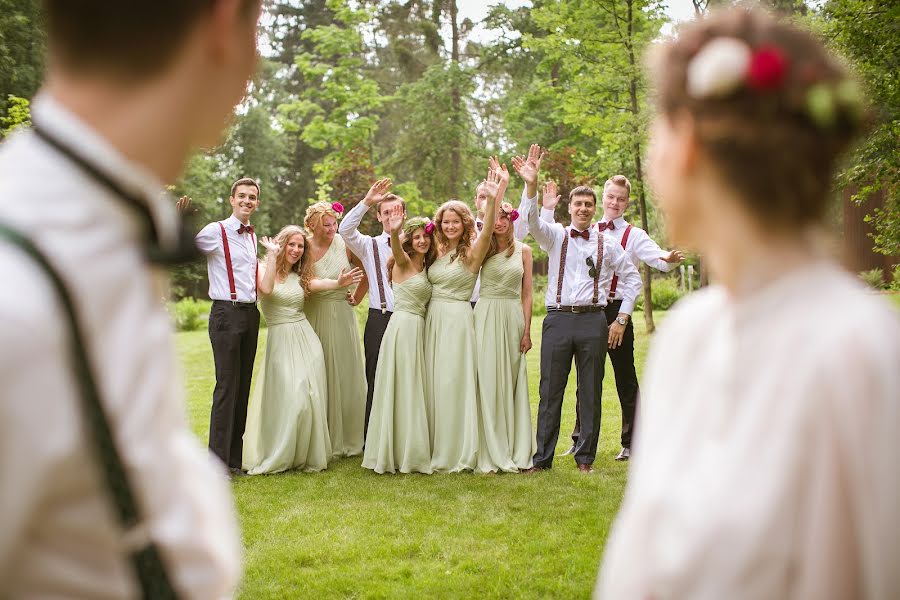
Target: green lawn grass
349,533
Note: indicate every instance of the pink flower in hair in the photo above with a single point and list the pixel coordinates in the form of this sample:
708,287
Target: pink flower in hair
338,208
767,69
429,229
514,215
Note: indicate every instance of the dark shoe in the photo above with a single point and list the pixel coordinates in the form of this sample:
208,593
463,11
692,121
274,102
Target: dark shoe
625,454
235,472
533,470
586,468
570,451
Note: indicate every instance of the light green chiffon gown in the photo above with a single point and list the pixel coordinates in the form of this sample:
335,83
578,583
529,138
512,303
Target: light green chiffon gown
398,439
505,433
334,321
286,422
450,371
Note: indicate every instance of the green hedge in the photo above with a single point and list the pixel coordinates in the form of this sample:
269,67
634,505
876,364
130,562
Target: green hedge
189,314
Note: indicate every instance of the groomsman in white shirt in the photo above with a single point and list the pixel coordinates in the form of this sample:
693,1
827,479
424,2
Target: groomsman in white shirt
640,247
582,264
131,89
373,252
231,263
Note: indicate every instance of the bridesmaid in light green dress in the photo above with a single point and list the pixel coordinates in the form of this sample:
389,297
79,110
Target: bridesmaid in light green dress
502,336
451,371
286,422
397,439
334,321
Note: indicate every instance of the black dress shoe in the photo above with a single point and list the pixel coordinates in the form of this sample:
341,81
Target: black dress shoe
235,472
625,454
585,468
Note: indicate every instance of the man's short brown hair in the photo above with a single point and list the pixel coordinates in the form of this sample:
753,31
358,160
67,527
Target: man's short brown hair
244,181
132,39
392,198
583,190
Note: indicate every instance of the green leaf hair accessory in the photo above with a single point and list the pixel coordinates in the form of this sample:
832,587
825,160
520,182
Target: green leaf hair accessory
821,105
415,223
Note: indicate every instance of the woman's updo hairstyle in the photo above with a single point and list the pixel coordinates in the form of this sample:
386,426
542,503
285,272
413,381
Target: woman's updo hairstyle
773,110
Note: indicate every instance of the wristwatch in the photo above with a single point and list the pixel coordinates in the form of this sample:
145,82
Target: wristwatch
622,321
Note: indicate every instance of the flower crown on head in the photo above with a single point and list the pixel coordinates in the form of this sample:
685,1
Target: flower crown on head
725,65
415,223
507,209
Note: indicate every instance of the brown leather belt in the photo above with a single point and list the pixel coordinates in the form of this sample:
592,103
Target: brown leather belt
576,309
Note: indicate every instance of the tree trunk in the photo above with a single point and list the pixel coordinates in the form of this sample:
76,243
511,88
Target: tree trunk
638,170
456,103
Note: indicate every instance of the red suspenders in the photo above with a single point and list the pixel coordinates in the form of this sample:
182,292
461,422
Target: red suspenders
615,279
230,269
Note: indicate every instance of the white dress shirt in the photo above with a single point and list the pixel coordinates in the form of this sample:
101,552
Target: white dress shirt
361,245
59,536
578,285
765,462
640,246
243,260
520,232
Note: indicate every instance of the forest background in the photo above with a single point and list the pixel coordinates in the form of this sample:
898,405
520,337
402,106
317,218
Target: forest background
352,90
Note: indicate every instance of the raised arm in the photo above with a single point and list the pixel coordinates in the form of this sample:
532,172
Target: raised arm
345,279
527,297
546,234
395,224
358,242
528,169
266,276
496,182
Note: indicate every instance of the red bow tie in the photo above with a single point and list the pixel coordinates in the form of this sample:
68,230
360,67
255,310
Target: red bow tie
605,226
586,235
245,229
480,225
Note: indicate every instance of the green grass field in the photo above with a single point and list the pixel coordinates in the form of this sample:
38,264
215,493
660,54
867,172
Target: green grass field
349,533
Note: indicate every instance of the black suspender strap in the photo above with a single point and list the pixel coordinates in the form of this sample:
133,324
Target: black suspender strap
379,277
148,566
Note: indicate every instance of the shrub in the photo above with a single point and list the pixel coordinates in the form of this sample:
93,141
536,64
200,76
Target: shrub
895,278
189,314
665,293
873,278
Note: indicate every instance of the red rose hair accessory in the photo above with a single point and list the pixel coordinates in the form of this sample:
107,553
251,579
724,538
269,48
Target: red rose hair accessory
767,69
338,208
429,229
514,215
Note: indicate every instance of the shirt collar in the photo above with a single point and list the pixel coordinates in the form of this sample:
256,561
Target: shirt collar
620,222
233,222
65,126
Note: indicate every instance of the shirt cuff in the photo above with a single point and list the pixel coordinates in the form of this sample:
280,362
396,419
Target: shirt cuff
627,307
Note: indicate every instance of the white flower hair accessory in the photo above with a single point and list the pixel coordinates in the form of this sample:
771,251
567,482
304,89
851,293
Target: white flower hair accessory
719,68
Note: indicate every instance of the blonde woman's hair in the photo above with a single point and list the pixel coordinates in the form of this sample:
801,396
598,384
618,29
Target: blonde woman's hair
468,233
303,267
314,215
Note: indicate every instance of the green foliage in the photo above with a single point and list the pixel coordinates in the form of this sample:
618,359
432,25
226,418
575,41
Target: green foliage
865,31
18,114
665,293
895,279
22,43
873,278
189,314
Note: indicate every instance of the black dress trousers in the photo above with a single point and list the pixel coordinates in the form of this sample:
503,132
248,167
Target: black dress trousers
233,332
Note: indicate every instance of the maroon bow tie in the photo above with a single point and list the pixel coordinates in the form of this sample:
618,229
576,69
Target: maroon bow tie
605,226
245,229
480,225
586,235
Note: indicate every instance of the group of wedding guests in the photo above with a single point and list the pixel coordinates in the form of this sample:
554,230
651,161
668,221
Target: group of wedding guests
444,386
